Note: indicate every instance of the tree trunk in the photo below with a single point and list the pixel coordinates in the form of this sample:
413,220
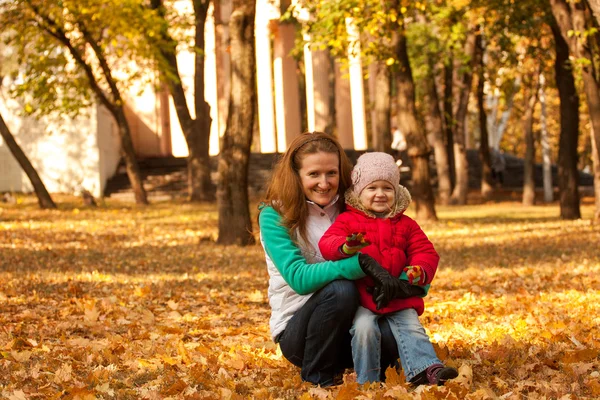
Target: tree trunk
418,148
461,189
381,102
487,185
573,19
435,126
128,153
199,183
496,127
114,104
596,161
568,176
546,153
44,199
196,131
449,120
529,167
595,6
235,226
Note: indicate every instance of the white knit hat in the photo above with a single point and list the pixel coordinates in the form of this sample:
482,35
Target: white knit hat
375,166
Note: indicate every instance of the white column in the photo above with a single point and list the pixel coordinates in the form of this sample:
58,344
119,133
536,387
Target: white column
210,80
265,12
309,83
356,87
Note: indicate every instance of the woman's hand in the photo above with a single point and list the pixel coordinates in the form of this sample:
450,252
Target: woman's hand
386,287
397,289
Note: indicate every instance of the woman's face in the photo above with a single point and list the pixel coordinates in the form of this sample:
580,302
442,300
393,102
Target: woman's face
320,177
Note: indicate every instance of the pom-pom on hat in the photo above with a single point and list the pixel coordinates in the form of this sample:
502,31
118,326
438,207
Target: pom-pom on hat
375,166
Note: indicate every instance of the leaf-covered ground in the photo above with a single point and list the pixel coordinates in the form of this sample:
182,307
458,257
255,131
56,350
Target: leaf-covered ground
121,302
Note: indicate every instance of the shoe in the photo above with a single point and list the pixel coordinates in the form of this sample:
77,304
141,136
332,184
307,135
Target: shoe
435,374
338,379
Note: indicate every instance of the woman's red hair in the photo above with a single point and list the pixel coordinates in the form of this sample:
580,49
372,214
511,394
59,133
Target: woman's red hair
285,193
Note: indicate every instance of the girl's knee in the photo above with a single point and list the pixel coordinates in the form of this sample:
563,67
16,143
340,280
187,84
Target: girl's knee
365,327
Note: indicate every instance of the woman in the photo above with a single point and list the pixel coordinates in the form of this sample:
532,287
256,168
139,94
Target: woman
313,301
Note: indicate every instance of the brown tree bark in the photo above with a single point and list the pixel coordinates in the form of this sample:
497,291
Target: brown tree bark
529,162
44,198
195,130
235,226
568,175
596,161
487,184
463,90
434,124
572,17
381,103
128,154
418,148
449,119
595,7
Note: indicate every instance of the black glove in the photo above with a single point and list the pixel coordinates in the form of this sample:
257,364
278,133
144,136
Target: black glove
374,270
399,289
384,282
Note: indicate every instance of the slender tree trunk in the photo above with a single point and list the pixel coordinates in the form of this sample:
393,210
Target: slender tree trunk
595,6
196,131
449,120
111,99
529,167
199,183
381,102
235,226
546,153
128,153
435,126
568,175
418,148
596,161
461,189
571,17
44,199
487,185
496,127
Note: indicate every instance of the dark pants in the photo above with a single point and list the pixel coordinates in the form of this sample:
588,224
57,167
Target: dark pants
317,338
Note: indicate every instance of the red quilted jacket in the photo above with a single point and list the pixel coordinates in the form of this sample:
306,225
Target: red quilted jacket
395,242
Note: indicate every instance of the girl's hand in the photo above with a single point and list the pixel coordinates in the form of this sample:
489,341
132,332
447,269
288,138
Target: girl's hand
415,274
354,243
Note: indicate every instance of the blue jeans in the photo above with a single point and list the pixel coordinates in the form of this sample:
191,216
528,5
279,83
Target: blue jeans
317,338
415,350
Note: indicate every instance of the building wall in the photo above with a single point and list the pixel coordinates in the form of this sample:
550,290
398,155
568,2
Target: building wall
11,179
64,151
109,147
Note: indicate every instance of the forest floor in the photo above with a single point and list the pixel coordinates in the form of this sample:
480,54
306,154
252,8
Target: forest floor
125,302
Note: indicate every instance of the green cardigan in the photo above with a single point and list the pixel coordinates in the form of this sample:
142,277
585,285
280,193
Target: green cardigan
285,254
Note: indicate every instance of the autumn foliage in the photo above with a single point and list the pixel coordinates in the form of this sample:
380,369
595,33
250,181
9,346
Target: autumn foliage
123,302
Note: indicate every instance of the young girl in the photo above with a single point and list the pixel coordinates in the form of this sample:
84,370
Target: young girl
313,301
375,224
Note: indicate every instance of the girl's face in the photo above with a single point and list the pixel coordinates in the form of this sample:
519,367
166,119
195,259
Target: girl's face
378,196
320,177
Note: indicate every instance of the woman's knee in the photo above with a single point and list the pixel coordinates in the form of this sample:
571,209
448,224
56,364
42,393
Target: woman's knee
343,296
